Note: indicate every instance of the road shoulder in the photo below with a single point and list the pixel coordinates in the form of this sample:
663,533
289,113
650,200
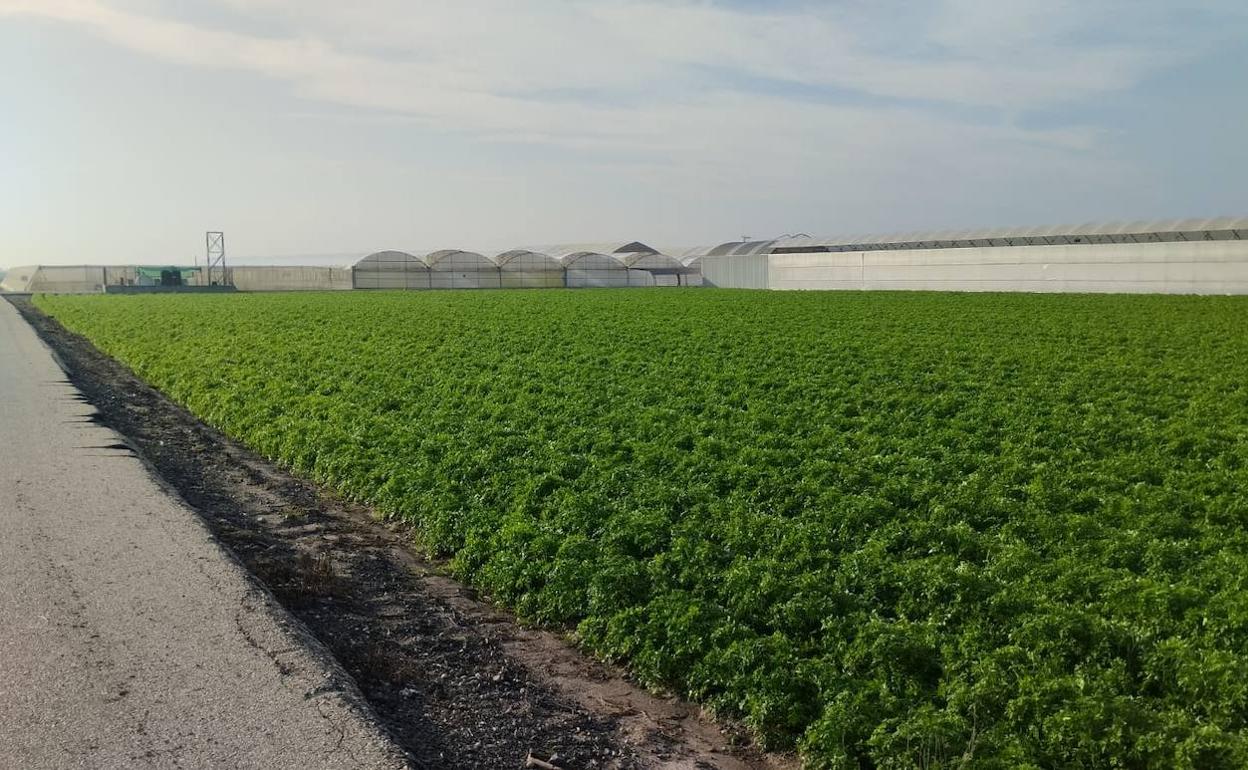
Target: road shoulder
130,637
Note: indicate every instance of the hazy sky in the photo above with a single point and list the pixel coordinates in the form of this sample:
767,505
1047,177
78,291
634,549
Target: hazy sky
128,127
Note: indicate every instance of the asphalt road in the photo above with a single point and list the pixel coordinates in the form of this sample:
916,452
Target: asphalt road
128,638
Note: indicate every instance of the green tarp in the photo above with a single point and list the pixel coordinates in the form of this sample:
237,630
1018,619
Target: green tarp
156,273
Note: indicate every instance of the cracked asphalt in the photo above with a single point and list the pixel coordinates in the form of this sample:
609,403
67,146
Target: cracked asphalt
128,636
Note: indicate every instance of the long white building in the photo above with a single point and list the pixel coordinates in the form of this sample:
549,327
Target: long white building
1176,257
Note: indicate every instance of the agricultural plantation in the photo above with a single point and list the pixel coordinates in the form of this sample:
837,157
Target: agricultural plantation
886,529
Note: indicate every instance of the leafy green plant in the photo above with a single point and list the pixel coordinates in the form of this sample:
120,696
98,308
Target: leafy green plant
894,530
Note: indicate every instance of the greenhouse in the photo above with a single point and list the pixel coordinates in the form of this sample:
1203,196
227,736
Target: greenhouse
693,268
390,270
741,248
586,269
524,269
585,265
454,269
652,269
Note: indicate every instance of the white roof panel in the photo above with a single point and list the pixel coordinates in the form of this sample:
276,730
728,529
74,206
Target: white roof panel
592,260
560,250
454,259
1060,233
649,261
390,257
685,252
523,259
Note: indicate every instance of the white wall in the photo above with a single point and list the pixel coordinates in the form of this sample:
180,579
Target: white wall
91,279
18,278
389,276
748,271
579,278
531,279
1203,267
291,278
88,279
464,279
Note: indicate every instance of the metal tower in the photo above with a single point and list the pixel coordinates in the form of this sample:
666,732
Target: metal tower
215,263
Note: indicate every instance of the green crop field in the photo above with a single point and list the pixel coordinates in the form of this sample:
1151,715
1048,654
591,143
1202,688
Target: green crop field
893,530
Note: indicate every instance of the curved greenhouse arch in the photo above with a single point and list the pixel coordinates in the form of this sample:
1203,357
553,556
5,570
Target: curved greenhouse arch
390,269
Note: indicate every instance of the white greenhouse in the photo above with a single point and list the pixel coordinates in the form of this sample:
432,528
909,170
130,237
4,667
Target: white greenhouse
652,269
589,269
524,269
454,269
391,270
561,250
693,270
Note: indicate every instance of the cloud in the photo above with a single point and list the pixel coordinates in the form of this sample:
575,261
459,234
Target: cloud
787,95
474,56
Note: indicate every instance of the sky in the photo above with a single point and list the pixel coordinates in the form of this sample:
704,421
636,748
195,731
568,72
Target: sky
322,127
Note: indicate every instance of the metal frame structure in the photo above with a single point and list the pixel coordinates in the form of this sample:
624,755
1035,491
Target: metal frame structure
214,263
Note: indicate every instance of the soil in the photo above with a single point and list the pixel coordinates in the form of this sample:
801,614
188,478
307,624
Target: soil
456,681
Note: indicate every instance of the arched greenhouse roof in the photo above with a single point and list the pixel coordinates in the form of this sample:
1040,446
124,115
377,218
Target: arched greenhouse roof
652,262
392,259
455,259
527,261
559,251
592,260
684,252
740,248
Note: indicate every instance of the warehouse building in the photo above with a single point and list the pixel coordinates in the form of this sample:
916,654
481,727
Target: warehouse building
1180,256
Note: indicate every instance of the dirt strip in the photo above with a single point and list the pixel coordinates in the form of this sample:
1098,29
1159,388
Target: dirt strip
457,682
